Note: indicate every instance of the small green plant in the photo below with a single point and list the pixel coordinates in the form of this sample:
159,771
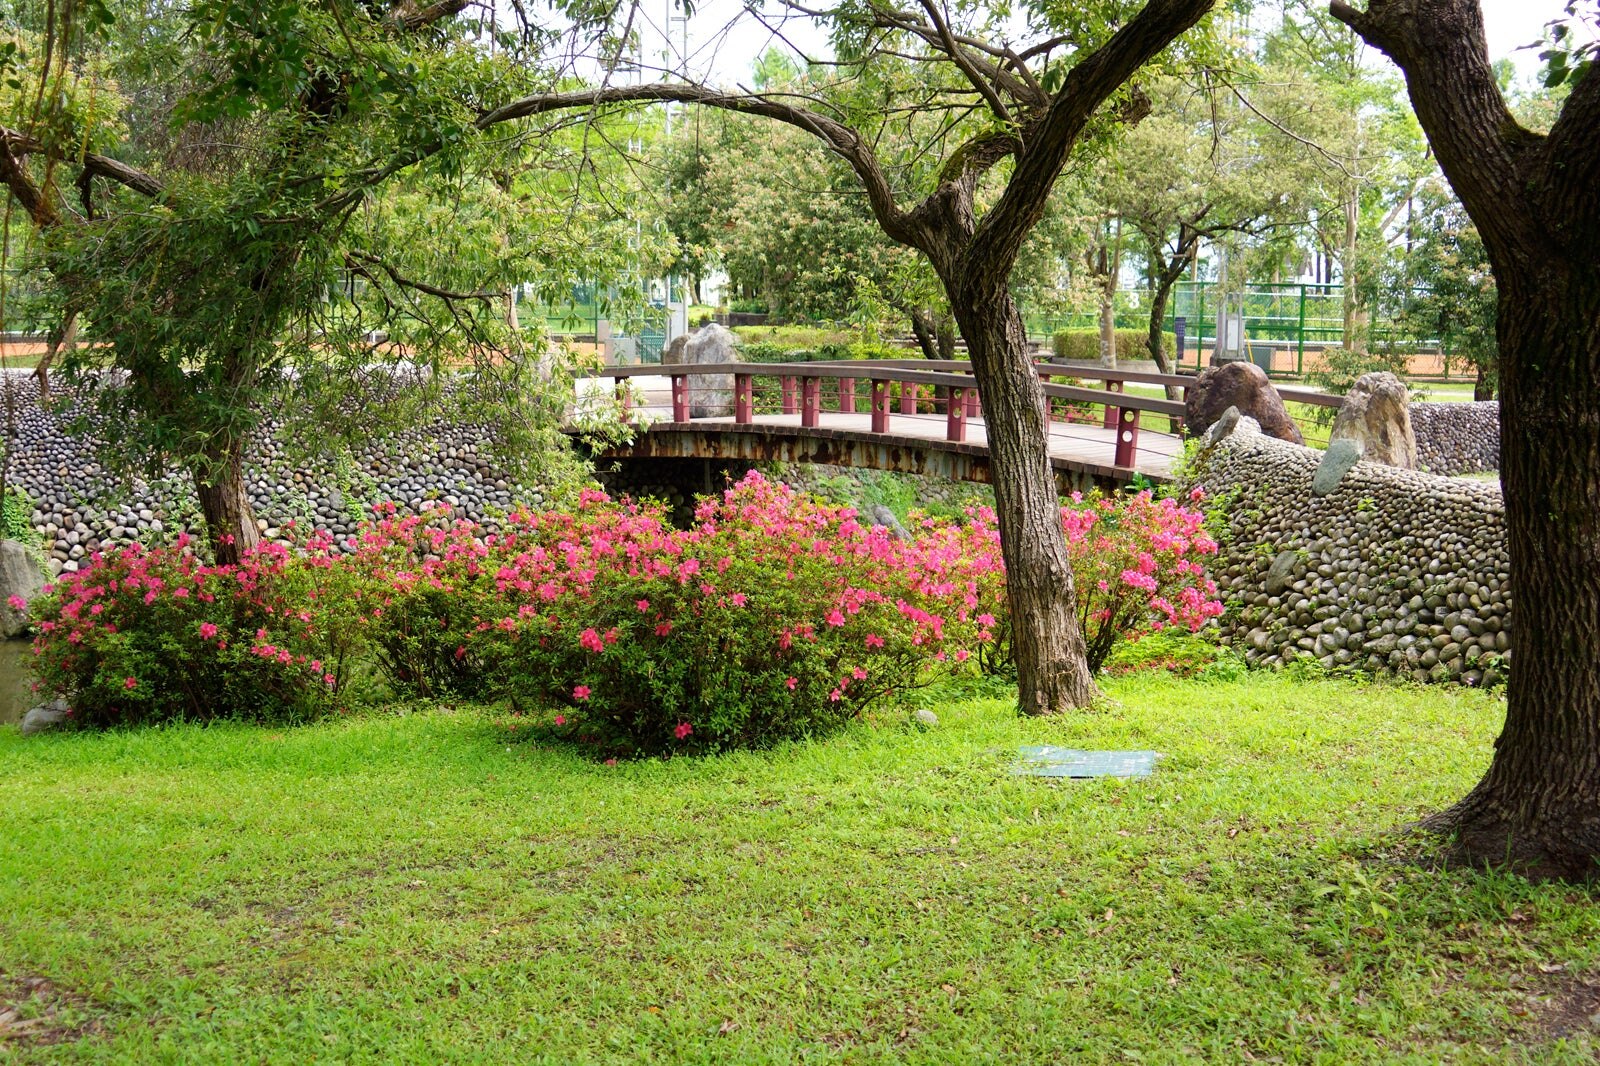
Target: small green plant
16,517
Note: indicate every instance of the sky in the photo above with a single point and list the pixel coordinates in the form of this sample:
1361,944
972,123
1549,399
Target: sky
726,55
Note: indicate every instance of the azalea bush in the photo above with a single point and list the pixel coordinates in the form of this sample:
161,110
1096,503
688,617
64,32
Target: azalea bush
774,616
154,635
1137,566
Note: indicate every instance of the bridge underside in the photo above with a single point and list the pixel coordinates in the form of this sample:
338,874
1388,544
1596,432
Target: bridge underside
841,447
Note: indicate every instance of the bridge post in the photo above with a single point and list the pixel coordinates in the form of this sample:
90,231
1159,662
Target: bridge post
955,426
680,397
1127,437
810,401
791,401
1111,412
744,407
880,406
847,395
974,408
908,398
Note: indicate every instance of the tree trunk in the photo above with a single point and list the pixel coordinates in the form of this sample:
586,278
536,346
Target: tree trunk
1355,315
224,501
948,335
66,336
1108,322
1538,808
1532,199
923,329
1155,339
1483,388
1052,666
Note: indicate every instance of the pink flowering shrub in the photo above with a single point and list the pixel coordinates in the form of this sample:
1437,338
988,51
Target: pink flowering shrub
774,616
157,635
1137,568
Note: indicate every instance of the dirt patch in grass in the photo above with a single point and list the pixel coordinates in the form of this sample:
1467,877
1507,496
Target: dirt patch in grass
33,1011
1560,1006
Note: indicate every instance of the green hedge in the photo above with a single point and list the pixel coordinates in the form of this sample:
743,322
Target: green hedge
1085,344
765,352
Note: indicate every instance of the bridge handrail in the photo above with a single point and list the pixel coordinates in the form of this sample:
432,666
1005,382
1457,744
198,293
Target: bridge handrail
888,371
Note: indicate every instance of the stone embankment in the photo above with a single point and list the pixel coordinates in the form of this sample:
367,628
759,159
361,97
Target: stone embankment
1393,571
1457,438
79,507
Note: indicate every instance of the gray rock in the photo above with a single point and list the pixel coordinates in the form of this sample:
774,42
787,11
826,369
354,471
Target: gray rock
879,515
20,576
1241,385
45,716
711,395
925,718
1376,414
1280,572
1224,425
1337,461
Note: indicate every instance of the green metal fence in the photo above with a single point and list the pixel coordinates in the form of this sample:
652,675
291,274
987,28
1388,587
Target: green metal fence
1282,322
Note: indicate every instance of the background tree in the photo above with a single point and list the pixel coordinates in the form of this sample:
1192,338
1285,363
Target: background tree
1532,199
1443,288
273,151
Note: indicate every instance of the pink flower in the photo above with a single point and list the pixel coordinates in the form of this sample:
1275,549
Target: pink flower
643,605
17,603
874,641
792,682
181,593
330,679
682,729
738,599
663,629
581,692
207,630
561,719
589,640
130,682
835,617
962,655
611,762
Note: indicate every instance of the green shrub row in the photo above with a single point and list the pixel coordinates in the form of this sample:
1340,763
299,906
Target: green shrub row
1085,344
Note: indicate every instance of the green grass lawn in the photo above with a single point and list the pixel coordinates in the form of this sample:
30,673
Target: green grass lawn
442,887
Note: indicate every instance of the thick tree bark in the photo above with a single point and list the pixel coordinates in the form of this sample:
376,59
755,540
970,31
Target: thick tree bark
225,502
1532,198
1052,665
1538,807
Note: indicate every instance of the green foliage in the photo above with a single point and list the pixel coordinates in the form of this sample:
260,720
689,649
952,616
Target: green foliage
1131,344
1444,287
16,517
1339,368
772,618
153,636
1180,654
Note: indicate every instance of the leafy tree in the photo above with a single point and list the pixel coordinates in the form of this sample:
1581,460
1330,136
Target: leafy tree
271,152
1531,196
1444,288
1007,117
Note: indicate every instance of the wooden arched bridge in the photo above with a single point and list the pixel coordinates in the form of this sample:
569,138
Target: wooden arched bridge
914,416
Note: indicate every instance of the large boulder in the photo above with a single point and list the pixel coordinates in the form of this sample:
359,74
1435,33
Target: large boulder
711,395
20,579
1377,415
52,715
1241,385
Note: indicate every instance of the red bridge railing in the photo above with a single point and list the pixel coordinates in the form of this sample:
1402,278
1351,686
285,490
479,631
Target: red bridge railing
894,388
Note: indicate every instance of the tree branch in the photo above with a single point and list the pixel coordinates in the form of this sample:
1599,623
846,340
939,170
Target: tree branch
1088,85
840,138
1440,46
